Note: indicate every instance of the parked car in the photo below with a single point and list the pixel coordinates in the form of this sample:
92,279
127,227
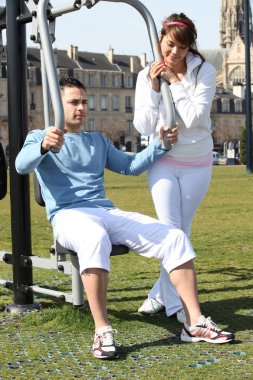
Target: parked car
218,159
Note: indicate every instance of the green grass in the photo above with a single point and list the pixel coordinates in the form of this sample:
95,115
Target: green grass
55,343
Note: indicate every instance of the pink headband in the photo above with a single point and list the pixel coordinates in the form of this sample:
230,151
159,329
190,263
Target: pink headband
175,23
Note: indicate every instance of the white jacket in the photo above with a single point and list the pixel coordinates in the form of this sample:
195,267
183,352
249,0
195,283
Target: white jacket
192,97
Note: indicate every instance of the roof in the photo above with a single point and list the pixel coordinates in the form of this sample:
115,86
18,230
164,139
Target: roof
95,61
86,61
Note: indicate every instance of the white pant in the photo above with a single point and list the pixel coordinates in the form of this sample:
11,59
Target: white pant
177,194
91,232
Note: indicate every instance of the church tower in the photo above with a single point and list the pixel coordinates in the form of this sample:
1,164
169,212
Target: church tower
232,22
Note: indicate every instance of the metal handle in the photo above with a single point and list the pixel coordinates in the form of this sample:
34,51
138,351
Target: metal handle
155,44
50,65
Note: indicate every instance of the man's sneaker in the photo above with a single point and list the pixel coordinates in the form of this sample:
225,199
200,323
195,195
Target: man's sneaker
181,316
151,306
104,346
205,331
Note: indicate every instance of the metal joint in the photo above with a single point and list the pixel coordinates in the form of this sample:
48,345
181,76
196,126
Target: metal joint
61,268
25,261
25,289
85,3
32,6
7,258
9,285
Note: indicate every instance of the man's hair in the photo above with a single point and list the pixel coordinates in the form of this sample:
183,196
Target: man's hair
71,82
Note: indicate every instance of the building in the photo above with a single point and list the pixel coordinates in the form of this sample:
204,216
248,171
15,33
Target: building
228,109
110,82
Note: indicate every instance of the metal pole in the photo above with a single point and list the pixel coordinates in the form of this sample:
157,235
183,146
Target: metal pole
248,90
154,40
19,185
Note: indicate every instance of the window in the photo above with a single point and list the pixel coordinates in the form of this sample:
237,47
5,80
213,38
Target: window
237,75
4,70
32,105
128,81
129,127
115,81
91,125
79,75
103,80
115,103
91,102
103,103
238,105
92,80
214,106
128,104
225,105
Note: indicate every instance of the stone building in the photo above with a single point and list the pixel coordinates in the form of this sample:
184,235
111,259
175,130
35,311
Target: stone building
228,109
110,82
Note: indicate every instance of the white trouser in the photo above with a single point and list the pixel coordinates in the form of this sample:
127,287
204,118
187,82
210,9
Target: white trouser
177,194
91,232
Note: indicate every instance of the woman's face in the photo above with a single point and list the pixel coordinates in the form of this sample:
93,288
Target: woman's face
173,51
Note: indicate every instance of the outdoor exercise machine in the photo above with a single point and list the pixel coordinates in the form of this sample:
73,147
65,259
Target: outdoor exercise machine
43,16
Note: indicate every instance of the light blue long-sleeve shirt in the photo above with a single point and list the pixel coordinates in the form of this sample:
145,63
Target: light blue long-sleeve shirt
74,177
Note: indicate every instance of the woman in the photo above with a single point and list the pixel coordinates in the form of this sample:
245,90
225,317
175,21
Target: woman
180,180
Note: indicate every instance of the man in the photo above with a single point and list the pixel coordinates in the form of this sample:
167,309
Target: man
72,184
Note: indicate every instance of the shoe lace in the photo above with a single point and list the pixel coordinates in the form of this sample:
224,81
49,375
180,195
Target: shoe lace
211,324
108,337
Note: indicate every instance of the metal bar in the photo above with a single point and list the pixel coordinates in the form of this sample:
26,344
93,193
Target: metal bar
249,168
45,90
67,8
19,185
52,13
67,297
50,64
49,292
153,36
77,285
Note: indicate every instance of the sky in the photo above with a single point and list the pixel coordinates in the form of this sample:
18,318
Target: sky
121,27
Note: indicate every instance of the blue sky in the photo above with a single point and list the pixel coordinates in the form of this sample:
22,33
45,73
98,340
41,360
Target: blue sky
120,26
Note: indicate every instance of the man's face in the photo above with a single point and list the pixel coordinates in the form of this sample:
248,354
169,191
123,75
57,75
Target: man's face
74,102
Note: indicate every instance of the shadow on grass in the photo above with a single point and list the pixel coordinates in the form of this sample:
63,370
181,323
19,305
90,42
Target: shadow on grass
163,343
235,314
224,312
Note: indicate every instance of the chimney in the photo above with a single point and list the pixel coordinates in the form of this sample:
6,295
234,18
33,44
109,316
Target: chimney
133,64
110,54
73,52
143,60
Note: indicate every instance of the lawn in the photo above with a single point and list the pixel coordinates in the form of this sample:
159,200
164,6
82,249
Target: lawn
55,343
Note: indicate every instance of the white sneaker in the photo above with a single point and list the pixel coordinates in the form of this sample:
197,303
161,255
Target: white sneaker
104,345
151,306
181,316
205,331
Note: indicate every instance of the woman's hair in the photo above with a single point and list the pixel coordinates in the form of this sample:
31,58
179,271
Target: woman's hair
183,30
